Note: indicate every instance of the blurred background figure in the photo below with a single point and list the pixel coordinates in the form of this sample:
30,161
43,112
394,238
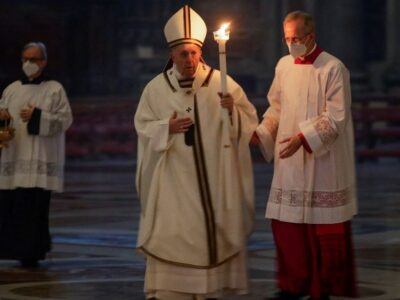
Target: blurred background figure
32,165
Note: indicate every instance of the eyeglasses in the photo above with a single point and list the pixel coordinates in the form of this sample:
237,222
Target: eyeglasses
31,59
293,40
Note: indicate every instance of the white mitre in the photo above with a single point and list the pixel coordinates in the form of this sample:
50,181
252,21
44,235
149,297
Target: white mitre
185,27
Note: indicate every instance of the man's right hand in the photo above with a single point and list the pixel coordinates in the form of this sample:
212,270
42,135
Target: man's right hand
4,115
179,125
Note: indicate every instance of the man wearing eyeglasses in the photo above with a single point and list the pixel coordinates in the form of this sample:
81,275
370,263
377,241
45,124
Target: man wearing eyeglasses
308,131
31,167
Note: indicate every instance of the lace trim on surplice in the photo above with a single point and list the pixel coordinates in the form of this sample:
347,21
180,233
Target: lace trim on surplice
271,125
311,199
55,127
325,131
30,167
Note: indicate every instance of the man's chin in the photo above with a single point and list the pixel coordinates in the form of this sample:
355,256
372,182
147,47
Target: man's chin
188,73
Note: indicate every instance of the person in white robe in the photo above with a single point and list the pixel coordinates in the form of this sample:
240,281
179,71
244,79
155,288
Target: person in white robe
307,131
32,163
194,179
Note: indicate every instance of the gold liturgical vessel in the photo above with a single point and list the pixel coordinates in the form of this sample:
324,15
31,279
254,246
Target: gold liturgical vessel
6,133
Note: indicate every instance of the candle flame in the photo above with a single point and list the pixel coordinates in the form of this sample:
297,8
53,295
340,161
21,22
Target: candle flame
222,33
224,26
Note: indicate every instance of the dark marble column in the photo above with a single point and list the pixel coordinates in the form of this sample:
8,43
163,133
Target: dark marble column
103,56
270,37
340,31
392,74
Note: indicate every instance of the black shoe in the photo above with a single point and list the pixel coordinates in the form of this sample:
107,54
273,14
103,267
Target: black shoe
285,295
29,263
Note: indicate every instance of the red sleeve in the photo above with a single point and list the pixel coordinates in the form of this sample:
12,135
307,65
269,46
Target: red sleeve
304,142
255,140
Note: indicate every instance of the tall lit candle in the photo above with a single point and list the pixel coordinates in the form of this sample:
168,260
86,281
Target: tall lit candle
221,36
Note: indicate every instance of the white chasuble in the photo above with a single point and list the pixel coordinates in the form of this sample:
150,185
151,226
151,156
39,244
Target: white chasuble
196,199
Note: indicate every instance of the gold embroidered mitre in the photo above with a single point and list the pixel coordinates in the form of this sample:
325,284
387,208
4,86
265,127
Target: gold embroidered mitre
185,27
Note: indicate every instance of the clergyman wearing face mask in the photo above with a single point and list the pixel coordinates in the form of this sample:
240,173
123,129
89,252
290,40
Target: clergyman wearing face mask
34,61
299,43
307,132
31,167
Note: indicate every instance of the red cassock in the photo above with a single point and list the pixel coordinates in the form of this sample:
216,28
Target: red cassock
315,259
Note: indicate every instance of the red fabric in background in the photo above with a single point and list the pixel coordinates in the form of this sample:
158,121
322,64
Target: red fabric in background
315,259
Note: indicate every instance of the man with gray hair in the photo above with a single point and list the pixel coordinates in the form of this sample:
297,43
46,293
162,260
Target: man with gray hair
31,165
308,132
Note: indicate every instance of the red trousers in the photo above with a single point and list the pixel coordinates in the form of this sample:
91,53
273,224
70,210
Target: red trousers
315,259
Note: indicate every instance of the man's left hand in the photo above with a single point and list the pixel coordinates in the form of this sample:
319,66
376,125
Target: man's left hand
292,144
227,101
26,113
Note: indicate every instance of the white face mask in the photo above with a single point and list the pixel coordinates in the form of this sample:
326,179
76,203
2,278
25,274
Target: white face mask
297,50
30,68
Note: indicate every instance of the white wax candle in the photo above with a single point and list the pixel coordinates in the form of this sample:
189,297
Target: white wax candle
222,65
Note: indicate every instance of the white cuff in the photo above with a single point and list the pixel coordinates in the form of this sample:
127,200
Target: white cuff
312,137
267,145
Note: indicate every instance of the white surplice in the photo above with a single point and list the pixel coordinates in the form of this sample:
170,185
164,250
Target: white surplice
314,99
36,160
196,200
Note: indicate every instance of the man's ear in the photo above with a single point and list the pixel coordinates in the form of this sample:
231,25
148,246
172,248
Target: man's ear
172,55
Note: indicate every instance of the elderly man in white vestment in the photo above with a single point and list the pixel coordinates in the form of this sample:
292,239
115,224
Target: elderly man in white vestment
31,167
196,191
308,131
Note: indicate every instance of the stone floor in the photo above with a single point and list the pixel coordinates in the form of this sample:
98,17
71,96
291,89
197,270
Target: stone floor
94,227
